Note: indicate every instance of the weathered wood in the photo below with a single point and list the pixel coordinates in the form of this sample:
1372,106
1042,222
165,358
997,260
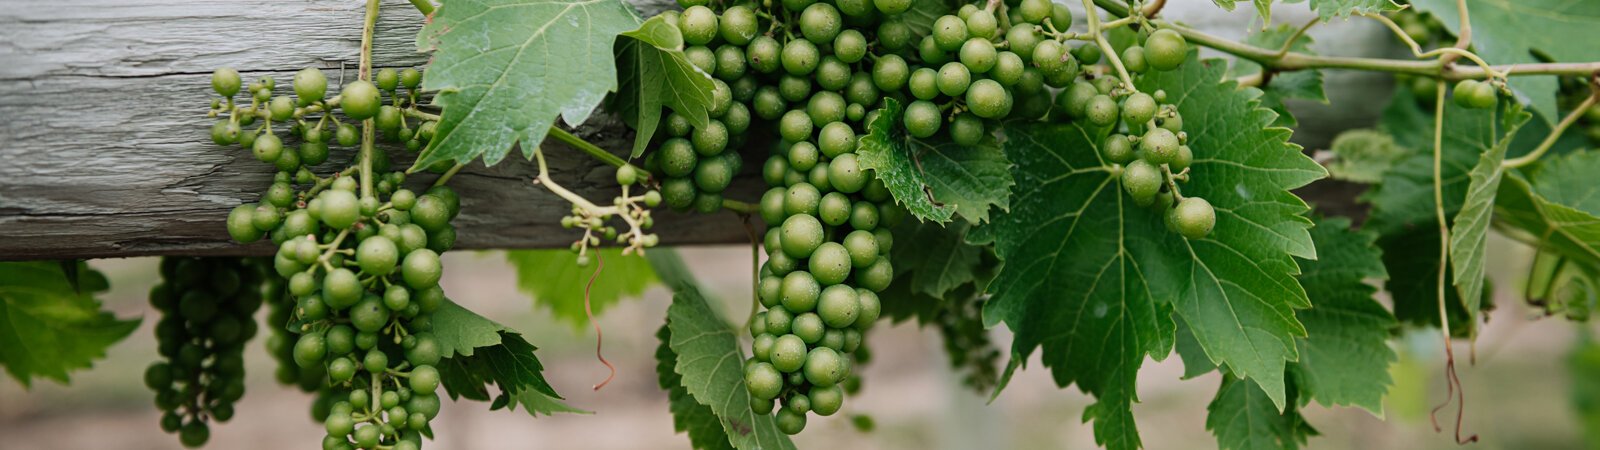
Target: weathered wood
106,148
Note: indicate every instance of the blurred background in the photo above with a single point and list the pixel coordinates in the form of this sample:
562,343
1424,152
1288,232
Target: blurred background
1520,393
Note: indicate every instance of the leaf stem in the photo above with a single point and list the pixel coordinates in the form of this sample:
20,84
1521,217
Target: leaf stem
587,147
1555,134
448,174
1105,46
739,207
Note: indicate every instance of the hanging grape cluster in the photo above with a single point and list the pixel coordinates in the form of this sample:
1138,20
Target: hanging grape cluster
206,307
360,252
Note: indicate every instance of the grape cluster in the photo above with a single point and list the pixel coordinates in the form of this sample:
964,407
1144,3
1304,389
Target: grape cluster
206,306
967,342
1146,143
360,253
280,342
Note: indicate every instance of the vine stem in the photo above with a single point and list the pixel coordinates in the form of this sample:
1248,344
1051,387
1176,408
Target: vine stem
424,6
599,337
1105,46
1293,61
1550,141
583,145
369,132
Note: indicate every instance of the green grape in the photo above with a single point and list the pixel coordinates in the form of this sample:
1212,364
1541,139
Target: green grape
890,73
824,367
967,129
267,148
698,24
387,79
1142,180
711,139
820,23
1182,160
1101,111
988,99
1049,56
1133,59
826,107
802,234
923,84
795,126
922,118
763,54
1159,146
359,100
895,35
411,78
702,58
982,24
979,55
1023,39
808,327
713,175
1138,109
850,46
863,216
793,88
1035,11
836,138
226,81
1192,217
738,25
1165,49
846,174
677,157
1008,69
1087,54
832,74
949,32
310,85
788,353
281,108
931,54
800,57
421,269
953,79
1117,149
833,209
1075,100
764,381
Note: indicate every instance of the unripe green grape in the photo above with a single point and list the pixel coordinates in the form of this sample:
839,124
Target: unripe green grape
818,176
267,148
763,380
1133,59
850,46
281,108
1192,217
796,5
1159,146
820,23
788,353
1062,78
359,100
795,126
863,216
778,318
826,107
1075,100
698,24
824,367
1035,11
1088,53
1182,160
771,205
738,25
1117,149
834,209
966,11
830,264
1173,123
744,88
808,327
1023,39
676,125
310,85
195,433
701,57
832,74
836,138
224,132
967,129
410,78
825,401
802,234
799,402
890,73
800,57
266,218
930,52
713,175
730,63
922,118
775,168
340,209
894,35
763,54
892,7
1008,69
803,156
421,269
924,84
1060,16
949,32
1101,111
1142,180
982,24
1165,49
241,224
988,99
710,140
375,360
226,81
310,349
793,88
387,79
677,157
862,246
979,55
790,422
839,306
347,135
1047,56
388,119
846,174
1138,109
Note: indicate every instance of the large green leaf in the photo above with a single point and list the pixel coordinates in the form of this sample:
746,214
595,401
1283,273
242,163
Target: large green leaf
710,362
1345,356
1363,156
688,415
654,73
479,353
936,178
51,325
1469,232
556,282
1329,9
1555,209
935,259
1094,279
1508,32
504,69
1243,417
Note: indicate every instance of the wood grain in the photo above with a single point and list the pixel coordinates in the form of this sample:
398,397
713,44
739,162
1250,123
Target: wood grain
105,148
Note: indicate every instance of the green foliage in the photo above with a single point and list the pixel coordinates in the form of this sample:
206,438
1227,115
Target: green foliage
1511,33
688,415
655,73
938,178
1244,418
1363,156
556,282
1303,84
1470,229
1553,209
1329,9
504,69
479,352
1084,267
709,363
54,325
1345,356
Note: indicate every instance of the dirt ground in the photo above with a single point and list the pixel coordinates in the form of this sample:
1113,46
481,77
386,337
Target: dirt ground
1518,394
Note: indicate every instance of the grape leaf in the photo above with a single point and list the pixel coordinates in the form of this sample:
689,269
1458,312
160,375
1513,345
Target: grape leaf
710,361
1345,356
460,331
688,415
504,69
1555,208
556,282
935,259
1093,279
1302,84
1263,7
1469,232
654,73
479,352
53,325
1329,9
1506,32
1244,418
936,178
1363,156
536,403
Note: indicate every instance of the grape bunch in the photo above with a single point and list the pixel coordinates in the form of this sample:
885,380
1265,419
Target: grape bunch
359,251
280,341
206,306
1146,144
